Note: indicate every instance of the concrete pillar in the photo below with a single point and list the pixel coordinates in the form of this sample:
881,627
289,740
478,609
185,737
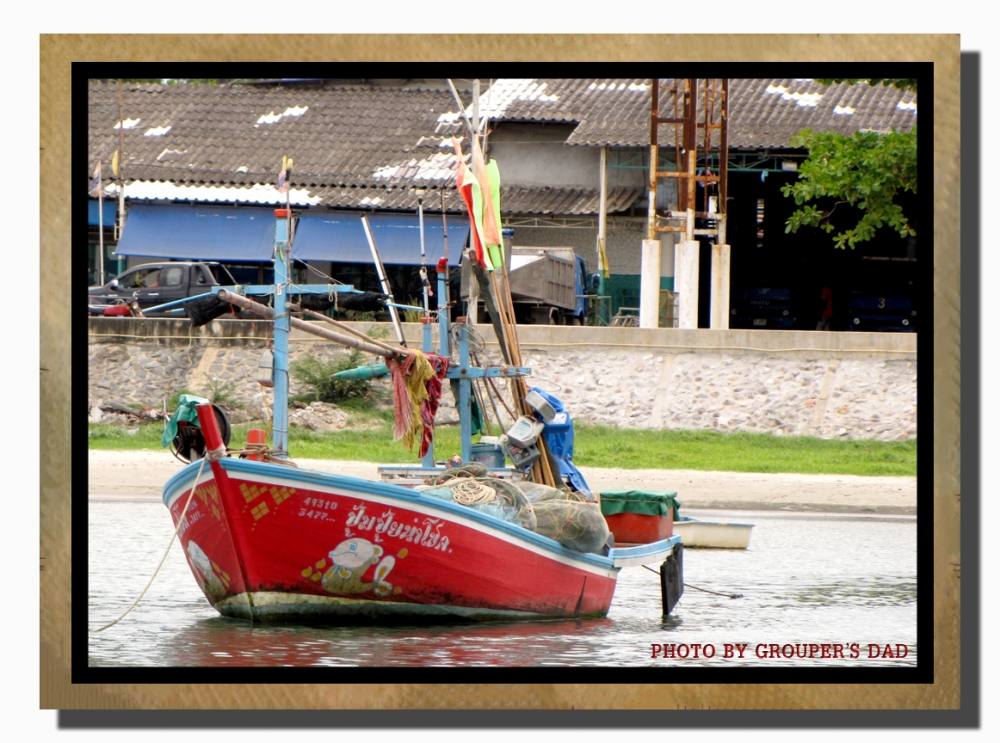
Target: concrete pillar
720,287
649,285
686,283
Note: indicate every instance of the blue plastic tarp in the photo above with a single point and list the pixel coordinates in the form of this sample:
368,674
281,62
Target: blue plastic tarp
94,213
211,233
340,237
558,435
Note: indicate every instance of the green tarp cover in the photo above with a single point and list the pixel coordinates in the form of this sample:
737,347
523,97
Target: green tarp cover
642,502
186,411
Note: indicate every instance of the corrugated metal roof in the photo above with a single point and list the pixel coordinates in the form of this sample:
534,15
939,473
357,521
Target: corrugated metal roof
763,113
349,135
369,146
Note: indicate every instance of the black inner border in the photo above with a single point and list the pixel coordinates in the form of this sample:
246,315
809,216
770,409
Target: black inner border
82,673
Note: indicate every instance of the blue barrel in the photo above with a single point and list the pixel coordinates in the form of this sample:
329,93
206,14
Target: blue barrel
490,455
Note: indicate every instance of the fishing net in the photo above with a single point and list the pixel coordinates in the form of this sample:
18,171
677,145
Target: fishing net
574,524
561,514
537,493
489,495
203,311
361,301
472,469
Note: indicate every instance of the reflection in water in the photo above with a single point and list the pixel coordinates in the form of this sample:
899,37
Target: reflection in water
796,586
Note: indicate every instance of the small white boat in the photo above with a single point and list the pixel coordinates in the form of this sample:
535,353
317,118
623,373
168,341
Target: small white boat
713,534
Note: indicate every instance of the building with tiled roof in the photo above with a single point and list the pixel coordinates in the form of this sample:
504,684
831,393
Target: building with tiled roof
370,146
374,145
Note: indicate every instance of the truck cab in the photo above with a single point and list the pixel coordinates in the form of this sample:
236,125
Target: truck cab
152,284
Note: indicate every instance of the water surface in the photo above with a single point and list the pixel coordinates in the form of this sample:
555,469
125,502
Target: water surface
805,579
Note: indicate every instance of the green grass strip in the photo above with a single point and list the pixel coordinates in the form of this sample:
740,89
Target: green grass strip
596,446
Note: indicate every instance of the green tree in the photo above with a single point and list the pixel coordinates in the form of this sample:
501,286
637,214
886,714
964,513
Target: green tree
867,172
903,83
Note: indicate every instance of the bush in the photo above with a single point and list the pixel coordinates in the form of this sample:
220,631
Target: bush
223,394
175,399
317,376
219,393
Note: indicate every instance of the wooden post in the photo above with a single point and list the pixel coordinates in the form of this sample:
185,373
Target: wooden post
602,313
100,231
473,309
602,214
120,175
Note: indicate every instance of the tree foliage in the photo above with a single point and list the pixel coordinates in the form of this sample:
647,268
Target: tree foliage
865,172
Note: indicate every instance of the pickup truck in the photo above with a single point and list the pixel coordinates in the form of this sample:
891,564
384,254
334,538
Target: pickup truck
151,284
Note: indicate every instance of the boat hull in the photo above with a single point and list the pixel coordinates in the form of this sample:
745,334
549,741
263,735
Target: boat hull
273,543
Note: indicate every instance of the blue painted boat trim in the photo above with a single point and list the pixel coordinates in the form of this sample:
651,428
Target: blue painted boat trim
251,468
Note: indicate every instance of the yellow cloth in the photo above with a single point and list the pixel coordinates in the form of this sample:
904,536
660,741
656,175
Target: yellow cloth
410,391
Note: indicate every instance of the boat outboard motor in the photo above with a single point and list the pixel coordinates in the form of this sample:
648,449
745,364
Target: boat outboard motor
189,443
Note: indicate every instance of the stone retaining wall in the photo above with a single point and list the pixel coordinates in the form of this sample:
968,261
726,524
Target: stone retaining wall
814,384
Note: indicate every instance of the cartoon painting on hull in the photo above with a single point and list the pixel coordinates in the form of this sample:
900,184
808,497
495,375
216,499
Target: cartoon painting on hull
350,561
213,579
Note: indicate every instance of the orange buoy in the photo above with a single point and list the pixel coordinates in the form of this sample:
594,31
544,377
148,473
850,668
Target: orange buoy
256,440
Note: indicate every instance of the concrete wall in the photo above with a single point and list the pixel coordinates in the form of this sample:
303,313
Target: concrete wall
851,385
624,247
537,155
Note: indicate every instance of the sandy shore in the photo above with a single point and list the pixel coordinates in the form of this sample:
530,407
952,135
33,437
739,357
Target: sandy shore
139,475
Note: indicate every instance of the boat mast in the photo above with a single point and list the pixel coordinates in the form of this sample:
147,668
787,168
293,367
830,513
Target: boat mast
279,438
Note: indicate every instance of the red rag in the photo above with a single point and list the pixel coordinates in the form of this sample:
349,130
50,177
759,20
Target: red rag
401,395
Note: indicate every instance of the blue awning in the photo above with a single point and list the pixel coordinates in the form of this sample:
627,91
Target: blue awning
340,237
198,232
93,212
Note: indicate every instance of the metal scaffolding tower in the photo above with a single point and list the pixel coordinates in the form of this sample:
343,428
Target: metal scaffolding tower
698,110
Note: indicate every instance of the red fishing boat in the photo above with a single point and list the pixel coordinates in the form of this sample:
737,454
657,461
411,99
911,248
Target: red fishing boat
266,540
269,542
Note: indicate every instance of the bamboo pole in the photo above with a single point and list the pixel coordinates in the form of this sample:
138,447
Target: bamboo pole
345,340
541,470
348,329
